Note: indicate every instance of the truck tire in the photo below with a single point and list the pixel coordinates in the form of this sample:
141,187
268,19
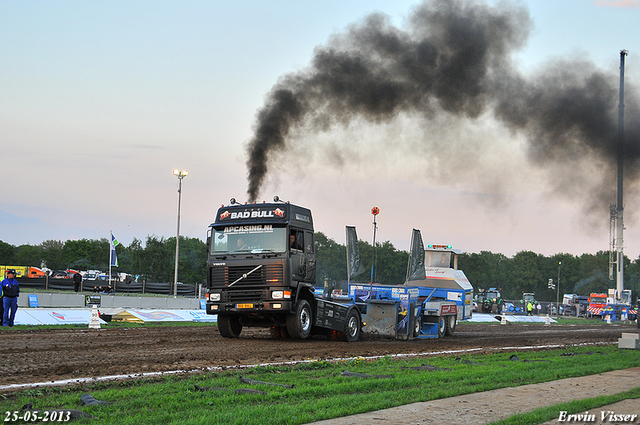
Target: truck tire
279,332
352,326
229,326
451,325
442,326
299,323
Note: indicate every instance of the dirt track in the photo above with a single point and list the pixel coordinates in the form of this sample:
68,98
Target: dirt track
50,354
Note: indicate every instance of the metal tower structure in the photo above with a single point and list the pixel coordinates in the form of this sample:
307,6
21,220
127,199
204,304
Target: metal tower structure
619,242
612,240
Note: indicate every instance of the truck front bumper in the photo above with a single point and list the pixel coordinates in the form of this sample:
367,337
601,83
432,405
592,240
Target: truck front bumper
249,307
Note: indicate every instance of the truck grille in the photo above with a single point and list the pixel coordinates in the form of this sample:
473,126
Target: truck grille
241,296
267,275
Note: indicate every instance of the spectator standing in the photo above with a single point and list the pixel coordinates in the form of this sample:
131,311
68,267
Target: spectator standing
1,303
494,306
529,308
10,292
77,280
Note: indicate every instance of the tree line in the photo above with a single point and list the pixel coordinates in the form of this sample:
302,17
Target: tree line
153,261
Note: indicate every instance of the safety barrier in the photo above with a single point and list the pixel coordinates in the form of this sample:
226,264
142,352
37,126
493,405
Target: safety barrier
163,288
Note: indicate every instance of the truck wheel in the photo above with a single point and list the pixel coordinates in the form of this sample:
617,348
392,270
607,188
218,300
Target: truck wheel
279,332
229,326
442,326
352,326
451,325
299,323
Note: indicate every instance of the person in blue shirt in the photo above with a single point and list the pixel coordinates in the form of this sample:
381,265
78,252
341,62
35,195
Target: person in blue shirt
1,304
10,291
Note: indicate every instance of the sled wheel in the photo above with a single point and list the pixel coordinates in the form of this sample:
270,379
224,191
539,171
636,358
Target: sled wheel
417,327
299,323
451,325
442,326
229,326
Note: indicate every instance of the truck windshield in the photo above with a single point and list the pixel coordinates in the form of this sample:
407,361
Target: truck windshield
437,259
625,298
253,239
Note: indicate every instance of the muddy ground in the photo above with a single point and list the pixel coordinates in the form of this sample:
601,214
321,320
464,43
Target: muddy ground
41,355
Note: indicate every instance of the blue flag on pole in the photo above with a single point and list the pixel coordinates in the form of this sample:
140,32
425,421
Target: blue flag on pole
114,257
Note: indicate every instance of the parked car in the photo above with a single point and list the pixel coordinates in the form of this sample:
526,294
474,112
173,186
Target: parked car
60,274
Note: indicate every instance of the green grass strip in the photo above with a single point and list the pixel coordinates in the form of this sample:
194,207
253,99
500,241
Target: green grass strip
546,414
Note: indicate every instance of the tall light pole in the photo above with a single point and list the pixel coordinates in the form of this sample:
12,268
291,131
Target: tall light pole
180,174
375,211
558,291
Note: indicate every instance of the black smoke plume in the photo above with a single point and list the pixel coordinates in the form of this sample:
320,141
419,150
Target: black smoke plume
455,57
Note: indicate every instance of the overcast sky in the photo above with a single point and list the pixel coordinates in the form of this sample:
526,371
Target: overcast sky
100,101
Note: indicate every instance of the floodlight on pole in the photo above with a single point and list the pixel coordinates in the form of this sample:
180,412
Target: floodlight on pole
180,174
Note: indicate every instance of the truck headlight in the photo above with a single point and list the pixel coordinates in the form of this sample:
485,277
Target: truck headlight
214,297
277,295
